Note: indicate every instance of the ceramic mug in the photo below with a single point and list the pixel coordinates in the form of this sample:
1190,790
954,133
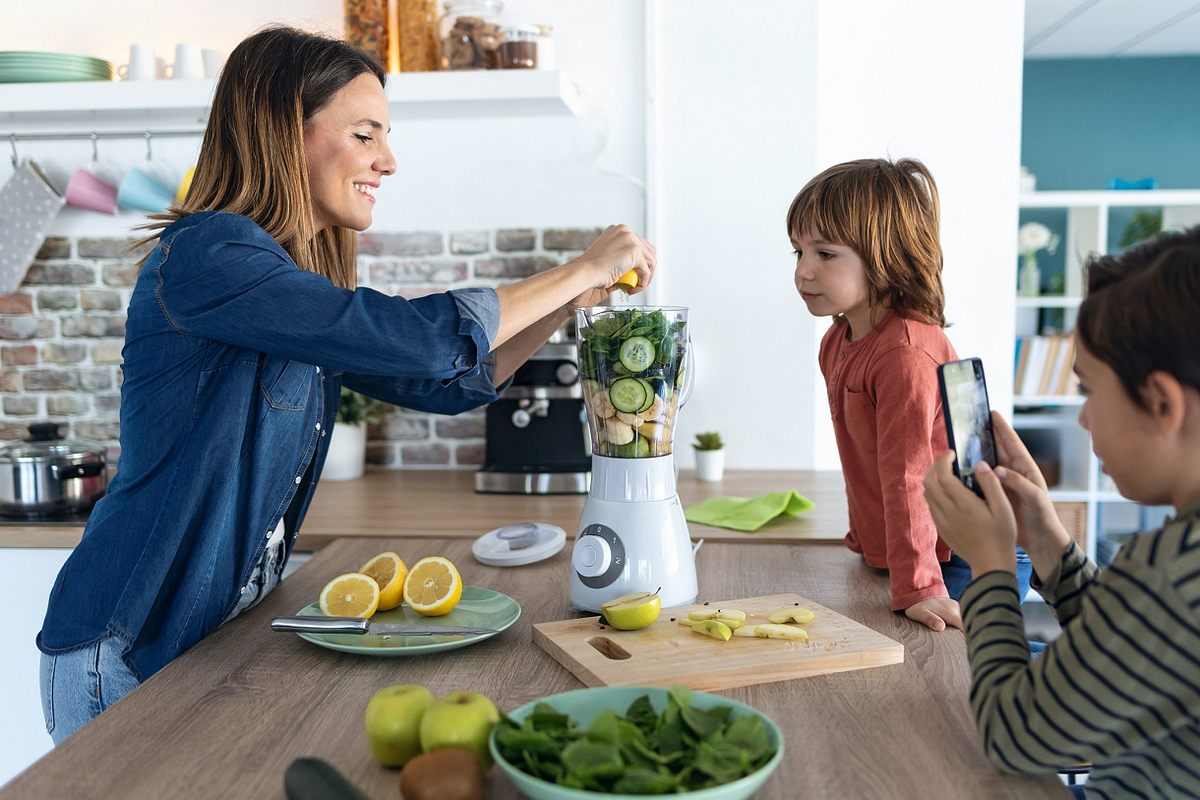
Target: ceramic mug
184,186
189,62
93,188
141,191
142,66
213,61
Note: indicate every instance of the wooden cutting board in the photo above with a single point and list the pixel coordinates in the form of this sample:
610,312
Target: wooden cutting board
667,653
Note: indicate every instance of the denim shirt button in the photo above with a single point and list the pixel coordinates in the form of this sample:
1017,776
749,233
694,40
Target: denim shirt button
318,426
297,480
318,370
322,434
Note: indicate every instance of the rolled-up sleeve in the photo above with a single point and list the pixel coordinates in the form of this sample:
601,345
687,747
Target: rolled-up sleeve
233,283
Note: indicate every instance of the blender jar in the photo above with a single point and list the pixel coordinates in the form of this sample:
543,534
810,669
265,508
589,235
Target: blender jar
632,365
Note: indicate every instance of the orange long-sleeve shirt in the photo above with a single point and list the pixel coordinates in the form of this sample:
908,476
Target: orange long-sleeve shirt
887,416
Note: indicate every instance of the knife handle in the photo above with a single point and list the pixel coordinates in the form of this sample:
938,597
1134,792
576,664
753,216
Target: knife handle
320,624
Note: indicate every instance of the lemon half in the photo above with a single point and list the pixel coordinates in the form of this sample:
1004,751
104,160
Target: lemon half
389,572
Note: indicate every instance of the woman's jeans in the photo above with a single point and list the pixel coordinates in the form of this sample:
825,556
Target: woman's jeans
79,684
956,573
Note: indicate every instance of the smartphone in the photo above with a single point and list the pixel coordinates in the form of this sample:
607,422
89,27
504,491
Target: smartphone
968,418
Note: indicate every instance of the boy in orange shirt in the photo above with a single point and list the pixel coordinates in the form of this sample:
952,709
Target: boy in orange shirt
867,253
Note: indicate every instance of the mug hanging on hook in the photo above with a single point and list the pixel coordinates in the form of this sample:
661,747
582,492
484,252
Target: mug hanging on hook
94,187
147,187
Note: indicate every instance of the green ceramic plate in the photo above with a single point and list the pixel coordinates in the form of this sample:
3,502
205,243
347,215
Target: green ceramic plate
583,705
478,608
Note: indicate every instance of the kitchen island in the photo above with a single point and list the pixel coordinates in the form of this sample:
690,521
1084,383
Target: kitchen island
228,717
391,503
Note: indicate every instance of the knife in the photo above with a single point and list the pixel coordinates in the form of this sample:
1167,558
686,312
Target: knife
360,625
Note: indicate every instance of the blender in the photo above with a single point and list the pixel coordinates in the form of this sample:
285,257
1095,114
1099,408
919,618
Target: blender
633,364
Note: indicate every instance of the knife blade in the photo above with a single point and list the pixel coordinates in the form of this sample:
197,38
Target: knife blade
359,625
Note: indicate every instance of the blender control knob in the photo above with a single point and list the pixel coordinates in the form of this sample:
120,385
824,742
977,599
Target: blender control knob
592,556
521,418
567,373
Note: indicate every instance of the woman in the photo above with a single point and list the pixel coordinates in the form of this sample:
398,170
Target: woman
243,326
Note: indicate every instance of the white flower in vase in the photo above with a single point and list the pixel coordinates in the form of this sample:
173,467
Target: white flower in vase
1032,238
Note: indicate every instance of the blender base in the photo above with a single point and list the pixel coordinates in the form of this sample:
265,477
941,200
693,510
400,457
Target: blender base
635,538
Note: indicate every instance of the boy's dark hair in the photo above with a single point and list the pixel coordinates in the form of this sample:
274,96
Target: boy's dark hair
1142,311
888,214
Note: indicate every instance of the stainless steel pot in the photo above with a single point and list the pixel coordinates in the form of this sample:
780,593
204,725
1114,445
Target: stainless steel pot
47,476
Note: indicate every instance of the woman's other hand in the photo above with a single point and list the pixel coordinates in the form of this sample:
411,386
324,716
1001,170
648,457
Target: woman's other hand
616,251
983,532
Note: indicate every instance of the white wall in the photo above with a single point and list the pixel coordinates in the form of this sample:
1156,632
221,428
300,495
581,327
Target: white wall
940,81
736,134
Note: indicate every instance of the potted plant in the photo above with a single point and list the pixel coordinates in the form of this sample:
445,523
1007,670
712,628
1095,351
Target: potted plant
348,441
1031,238
710,456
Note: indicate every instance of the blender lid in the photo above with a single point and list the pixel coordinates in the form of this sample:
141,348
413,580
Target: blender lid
518,544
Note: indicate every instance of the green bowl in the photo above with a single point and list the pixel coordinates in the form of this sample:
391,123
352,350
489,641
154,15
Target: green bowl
584,705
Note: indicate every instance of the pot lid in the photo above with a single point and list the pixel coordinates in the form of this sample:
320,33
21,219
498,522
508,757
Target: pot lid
45,442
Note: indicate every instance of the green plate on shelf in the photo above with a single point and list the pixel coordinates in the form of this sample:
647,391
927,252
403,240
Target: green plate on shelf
478,608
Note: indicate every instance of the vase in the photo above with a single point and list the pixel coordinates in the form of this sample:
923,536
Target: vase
710,465
1030,280
347,452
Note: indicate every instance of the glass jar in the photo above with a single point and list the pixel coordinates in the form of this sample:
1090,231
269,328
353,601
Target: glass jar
545,53
416,21
366,26
471,32
519,49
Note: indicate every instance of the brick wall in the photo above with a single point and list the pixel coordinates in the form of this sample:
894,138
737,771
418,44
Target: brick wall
61,333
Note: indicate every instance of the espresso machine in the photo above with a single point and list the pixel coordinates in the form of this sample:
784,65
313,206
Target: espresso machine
537,431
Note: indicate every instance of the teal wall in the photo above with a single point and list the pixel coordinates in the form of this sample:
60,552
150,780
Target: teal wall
1086,121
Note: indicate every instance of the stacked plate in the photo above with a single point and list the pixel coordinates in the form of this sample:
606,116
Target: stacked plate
17,66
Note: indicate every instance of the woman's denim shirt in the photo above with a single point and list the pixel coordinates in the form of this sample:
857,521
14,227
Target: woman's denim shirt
234,360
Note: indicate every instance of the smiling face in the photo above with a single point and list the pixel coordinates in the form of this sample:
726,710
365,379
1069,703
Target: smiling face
346,152
1125,437
832,279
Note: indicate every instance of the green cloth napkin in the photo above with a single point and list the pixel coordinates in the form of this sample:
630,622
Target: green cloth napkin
746,513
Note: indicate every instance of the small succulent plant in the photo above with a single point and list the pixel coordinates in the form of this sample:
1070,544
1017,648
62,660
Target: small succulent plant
708,441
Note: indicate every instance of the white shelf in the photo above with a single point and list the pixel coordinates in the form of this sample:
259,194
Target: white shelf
1031,422
1069,495
1048,400
183,104
1111,198
1048,301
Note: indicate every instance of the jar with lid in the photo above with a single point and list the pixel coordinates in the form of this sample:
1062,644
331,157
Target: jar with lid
366,26
519,49
471,32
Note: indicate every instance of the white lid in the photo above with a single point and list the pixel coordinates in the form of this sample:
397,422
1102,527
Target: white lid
519,543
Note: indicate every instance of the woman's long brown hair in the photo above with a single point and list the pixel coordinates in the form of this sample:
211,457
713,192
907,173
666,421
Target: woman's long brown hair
888,213
252,156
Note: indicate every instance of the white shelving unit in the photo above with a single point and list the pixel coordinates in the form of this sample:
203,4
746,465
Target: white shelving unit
1083,488
183,105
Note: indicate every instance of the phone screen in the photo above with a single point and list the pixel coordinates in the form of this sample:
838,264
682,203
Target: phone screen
968,417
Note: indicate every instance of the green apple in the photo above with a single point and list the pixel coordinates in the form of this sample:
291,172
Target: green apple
393,720
460,719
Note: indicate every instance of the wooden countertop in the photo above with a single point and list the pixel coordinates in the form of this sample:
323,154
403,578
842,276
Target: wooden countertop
227,717
390,503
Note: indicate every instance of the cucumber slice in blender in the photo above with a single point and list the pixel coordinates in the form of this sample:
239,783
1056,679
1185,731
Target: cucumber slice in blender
628,395
637,353
649,394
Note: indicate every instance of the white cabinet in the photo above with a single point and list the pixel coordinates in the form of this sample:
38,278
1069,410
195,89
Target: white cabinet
1048,423
26,575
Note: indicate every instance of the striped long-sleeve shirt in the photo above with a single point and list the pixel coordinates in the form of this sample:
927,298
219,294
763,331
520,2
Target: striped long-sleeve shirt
1119,688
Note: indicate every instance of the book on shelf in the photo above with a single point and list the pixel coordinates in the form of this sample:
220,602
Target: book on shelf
1043,365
